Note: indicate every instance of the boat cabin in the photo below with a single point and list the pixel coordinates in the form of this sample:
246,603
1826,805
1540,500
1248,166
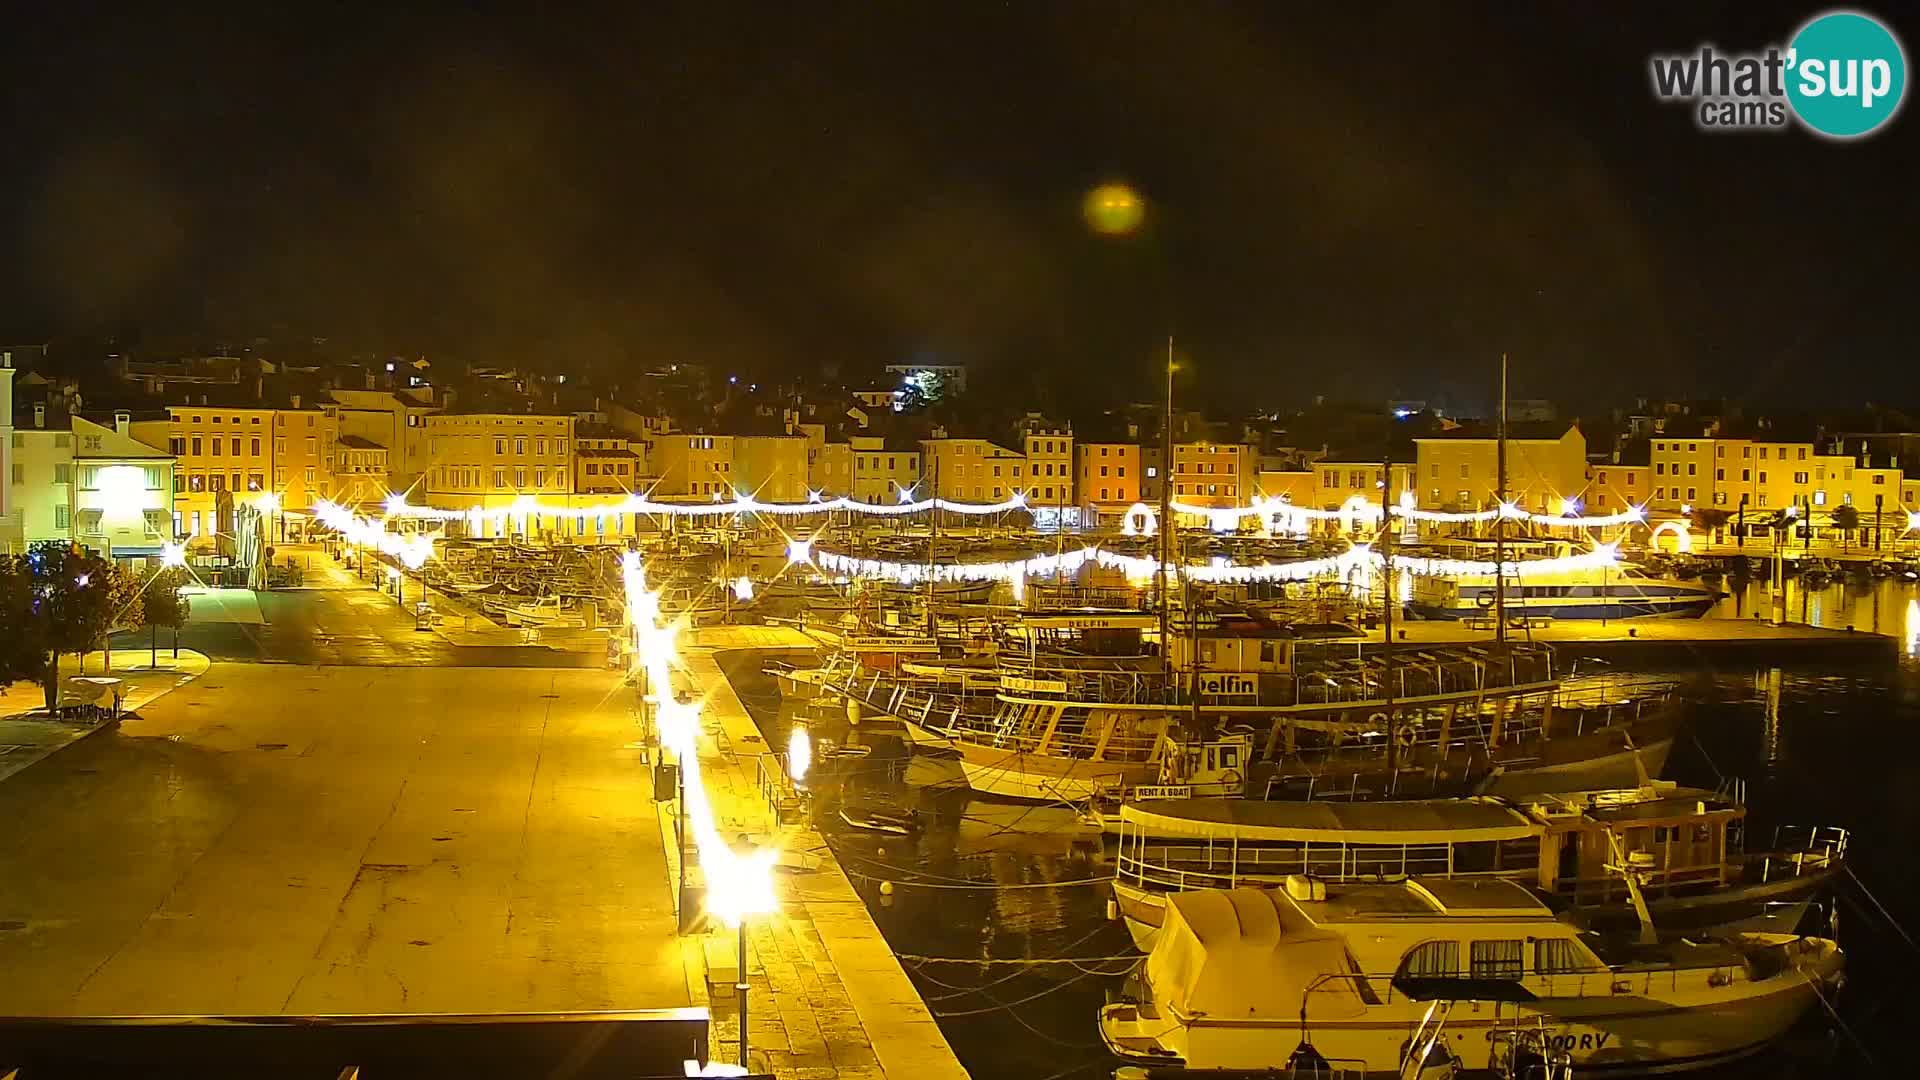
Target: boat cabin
1233,645
1684,832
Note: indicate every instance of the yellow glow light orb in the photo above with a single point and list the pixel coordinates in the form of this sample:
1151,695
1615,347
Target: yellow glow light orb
1113,209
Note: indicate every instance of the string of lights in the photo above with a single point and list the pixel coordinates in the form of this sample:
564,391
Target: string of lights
1228,517
1217,571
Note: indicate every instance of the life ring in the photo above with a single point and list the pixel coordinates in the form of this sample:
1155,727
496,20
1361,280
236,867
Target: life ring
1484,601
1405,736
1230,776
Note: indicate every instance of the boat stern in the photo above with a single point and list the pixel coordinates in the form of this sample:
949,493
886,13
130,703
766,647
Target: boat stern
1138,1033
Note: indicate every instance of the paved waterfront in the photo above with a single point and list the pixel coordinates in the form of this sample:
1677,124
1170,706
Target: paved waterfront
382,835
272,839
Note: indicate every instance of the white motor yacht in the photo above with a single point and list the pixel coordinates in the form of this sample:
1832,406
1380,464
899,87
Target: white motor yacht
1255,979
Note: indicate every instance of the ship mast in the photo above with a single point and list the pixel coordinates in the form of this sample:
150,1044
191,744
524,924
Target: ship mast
1500,517
1166,515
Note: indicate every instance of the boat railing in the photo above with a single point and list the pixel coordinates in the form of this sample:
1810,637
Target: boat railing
1594,890
1801,849
1182,867
1028,737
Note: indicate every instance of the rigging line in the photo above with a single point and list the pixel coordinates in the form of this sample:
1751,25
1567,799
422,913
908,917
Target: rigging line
1848,1031
985,884
1718,776
1022,970
1884,913
1054,989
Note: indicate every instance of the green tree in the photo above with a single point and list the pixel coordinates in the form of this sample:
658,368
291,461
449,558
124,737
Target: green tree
161,604
1846,519
73,605
23,652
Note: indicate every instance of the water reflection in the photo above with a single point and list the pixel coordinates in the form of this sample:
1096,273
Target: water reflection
1882,605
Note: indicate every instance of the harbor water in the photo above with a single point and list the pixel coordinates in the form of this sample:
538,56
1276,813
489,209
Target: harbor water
998,910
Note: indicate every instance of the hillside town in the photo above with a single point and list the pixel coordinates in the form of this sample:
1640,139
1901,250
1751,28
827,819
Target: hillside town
161,451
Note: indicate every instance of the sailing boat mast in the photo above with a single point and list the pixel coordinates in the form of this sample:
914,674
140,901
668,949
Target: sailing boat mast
1166,515
1500,517
1386,572
933,541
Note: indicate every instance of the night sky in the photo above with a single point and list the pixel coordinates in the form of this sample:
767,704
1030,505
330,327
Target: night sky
1344,199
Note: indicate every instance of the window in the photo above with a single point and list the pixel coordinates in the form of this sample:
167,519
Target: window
1718,451
1763,476
1746,451
520,478
1152,472
1464,472
255,447
1120,471
219,482
520,444
1819,498
1556,956
62,474
1433,958
1763,498
1746,474
216,447
539,446
499,478
1763,453
309,468
1659,468
60,520
1691,470
179,483
234,484
254,481
177,446
1690,495
1802,455
540,476
1799,478
1877,479
1718,474
1497,959
1720,498
196,444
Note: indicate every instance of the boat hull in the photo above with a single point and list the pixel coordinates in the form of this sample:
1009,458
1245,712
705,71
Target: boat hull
1012,774
1631,1026
1653,607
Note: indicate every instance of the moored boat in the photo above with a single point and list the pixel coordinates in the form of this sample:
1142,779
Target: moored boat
1252,979
1703,875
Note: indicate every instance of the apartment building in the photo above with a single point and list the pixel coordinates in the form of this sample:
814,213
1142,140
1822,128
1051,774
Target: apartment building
605,461
39,479
1110,479
395,420
243,450
1214,475
882,469
485,459
362,473
1458,470
973,470
692,467
123,491
1050,467
771,468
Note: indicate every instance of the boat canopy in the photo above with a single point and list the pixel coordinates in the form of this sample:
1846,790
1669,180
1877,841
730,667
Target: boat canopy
1426,821
1233,954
